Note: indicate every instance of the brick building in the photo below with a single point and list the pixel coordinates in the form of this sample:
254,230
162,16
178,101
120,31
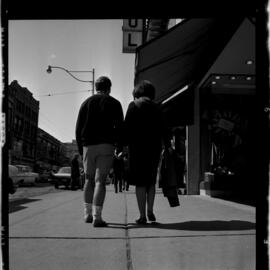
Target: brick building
22,124
51,153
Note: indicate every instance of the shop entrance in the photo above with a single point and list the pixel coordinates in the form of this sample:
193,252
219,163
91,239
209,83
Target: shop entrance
227,134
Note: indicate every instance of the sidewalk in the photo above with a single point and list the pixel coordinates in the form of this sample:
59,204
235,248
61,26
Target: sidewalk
203,233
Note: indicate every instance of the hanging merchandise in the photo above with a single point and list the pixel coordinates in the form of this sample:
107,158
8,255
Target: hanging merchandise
226,126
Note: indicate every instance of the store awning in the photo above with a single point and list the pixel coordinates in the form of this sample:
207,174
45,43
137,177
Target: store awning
181,57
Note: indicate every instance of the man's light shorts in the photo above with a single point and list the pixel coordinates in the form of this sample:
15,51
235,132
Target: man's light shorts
98,160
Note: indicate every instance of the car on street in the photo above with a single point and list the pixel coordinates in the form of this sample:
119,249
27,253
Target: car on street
44,176
62,177
26,175
12,179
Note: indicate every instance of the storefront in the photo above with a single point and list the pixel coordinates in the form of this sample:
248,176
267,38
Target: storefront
204,74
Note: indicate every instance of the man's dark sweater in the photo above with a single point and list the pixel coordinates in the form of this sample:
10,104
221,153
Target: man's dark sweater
99,121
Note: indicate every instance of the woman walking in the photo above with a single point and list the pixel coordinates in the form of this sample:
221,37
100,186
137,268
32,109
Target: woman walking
143,130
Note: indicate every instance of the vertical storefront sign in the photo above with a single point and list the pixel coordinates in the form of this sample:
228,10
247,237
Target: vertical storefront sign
132,34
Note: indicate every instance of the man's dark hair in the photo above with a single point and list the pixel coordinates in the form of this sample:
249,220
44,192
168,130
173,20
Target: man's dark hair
144,89
103,84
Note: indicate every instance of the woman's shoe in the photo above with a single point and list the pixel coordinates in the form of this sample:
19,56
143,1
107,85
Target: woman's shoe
151,217
141,220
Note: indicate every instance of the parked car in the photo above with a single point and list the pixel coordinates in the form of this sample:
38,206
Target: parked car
12,179
44,176
26,175
62,177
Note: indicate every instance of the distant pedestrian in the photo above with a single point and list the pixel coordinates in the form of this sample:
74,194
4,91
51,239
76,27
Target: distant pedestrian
126,172
118,170
75,172
98,132
143,130
178,145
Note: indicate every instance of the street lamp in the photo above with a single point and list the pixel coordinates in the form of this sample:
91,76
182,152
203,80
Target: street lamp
49,70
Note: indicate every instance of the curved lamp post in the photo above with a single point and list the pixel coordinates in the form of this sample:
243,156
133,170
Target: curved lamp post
49,70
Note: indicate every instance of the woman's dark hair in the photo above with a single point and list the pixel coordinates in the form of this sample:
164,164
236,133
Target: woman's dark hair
103,84
144,89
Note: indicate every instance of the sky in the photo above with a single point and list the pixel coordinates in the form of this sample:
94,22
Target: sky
78,45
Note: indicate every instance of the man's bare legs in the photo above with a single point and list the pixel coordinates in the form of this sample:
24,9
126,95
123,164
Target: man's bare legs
88,192
100,189
88,189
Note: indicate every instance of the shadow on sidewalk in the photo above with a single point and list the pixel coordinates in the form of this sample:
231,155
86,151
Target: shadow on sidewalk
212,225
16,205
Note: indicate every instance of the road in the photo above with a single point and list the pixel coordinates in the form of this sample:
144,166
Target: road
25,193
30,191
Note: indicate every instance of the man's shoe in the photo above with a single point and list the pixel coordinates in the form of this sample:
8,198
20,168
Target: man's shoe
88,218
141,220
99,223
151,217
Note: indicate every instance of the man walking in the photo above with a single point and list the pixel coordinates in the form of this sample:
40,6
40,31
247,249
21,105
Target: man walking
98,132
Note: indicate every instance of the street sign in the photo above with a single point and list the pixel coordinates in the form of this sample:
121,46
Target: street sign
132,34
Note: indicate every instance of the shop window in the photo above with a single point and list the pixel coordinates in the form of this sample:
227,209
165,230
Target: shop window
229,119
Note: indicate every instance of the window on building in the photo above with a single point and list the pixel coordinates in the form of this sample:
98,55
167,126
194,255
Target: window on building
16,123
31,150
23,108
27,128
20,124
18,105
33,115
27,111
32,131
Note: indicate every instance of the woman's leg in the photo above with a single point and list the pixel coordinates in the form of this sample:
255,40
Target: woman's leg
141,200
151,192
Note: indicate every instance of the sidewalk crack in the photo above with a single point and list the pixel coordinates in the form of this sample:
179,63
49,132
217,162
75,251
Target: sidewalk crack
128,246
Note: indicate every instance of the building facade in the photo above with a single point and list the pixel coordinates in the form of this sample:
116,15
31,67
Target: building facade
22,125
51,153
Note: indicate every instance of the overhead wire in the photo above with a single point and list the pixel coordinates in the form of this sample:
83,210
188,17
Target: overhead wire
62,93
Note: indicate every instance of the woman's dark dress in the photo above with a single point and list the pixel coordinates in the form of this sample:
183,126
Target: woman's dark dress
143,130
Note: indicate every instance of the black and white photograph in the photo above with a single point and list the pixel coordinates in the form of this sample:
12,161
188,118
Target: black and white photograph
134,144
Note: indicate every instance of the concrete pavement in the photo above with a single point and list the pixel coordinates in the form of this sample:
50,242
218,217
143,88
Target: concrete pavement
203,233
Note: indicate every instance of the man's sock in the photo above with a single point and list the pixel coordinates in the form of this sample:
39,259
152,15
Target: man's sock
97,211
87,209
